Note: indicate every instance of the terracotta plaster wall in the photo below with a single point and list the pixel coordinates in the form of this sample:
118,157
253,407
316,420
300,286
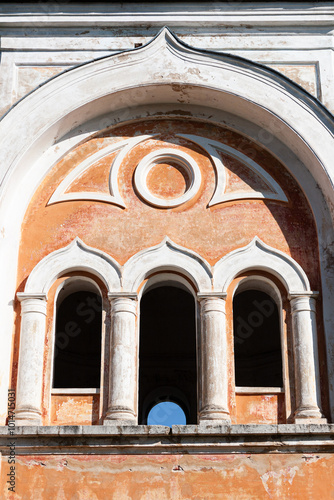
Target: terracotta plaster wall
211,231
171,477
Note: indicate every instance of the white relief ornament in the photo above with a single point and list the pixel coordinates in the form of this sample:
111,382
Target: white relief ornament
172,157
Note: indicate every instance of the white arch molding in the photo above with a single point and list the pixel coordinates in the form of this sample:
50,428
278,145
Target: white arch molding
167,256
249,97
77,256
259,256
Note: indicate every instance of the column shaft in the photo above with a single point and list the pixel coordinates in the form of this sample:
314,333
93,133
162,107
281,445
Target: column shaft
308,401
30,368
123,362
214,378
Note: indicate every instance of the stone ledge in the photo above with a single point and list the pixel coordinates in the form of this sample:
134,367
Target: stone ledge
86,430
160,430
181,439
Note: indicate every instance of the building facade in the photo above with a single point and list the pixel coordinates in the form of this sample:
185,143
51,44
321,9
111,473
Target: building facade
167,235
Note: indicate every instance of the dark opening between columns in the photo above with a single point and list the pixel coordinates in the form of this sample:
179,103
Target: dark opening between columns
257,340
77,358
167,355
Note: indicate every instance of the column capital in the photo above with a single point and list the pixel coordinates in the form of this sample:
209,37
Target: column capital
32,302
211,295
122,295
303,295
303,301
21,296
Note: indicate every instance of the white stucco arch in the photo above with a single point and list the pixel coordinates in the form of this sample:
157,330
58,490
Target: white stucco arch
167,256
74,257
258,256
163,73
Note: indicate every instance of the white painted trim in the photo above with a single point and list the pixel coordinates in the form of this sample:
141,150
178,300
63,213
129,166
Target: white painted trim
114,197
212,147
167,279
167,155
75,257
75,391
258,256
175,14
259,390
167,256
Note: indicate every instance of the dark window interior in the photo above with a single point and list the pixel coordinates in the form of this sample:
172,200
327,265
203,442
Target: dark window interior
167,356
77,362
257,343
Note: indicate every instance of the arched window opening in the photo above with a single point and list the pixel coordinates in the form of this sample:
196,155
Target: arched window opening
257,340
77,353
167,352
166,413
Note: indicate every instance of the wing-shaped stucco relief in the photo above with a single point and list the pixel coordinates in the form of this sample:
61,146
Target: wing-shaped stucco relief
253,183
270,189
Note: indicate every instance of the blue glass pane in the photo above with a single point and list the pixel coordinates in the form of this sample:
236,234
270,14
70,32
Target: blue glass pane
166,413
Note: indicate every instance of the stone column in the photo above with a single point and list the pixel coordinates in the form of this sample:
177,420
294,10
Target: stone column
122,403
213,355
307,383
31,359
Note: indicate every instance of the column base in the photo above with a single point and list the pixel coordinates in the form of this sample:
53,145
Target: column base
214,415
310,415
314,420
118,422
120,415
27,417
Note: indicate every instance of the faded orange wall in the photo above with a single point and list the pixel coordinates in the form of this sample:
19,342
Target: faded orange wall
172,477
212,232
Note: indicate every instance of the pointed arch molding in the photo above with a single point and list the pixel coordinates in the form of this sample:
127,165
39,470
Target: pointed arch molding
248,97
75,257
212,148
259,256
167,256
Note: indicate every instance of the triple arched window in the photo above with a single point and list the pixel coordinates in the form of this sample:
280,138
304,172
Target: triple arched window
179,331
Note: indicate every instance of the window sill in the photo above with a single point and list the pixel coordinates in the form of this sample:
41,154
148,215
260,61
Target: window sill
259,390
75,391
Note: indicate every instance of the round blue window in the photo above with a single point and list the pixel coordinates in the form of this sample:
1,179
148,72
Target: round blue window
166,413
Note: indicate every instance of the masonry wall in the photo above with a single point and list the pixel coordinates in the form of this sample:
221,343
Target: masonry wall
172,477
211,231
37,44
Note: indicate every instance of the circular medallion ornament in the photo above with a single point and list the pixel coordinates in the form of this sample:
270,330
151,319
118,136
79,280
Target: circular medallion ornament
167,178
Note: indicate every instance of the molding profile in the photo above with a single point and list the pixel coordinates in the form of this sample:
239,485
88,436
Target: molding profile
114,197
167,256
197,14
185,161
77,256
259,256
212,148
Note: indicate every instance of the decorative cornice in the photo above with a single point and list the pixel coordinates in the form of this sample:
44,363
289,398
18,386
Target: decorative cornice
156,439
199,14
